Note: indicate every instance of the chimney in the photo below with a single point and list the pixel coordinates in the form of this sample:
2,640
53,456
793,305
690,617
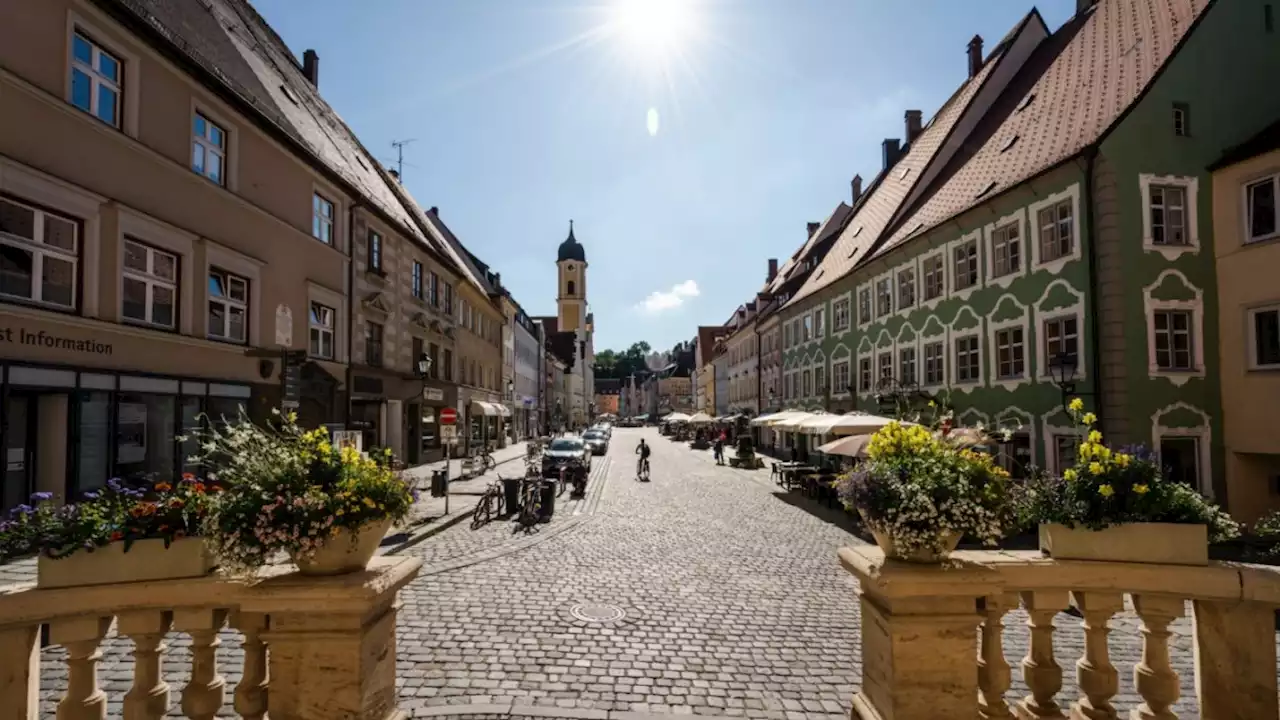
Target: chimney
497,280
395,174
813,228
915,121
435,211
773,269
892,149
311,67
856,186
975,55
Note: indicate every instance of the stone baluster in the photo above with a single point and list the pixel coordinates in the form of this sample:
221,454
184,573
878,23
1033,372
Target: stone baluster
203,696
1040,670
1235,660
148,699
251,691
994,676
82,638
1095,674
1155,679
20,672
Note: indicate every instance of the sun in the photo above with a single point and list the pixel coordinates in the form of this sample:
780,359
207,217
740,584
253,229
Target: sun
656,28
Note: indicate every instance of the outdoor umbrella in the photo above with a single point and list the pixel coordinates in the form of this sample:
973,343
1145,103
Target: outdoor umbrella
854,446
700,419
677,417
858,424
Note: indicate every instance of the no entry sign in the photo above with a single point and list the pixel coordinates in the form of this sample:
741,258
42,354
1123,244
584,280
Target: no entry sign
448,416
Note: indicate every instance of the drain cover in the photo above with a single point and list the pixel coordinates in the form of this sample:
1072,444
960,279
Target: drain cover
597,613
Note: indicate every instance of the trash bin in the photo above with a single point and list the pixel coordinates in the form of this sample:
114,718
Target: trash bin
511,494
439,483
548,502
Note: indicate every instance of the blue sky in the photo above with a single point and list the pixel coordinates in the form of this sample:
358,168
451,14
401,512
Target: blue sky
526,113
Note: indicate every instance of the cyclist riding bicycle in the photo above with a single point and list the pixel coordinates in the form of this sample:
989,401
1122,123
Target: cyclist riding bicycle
642,450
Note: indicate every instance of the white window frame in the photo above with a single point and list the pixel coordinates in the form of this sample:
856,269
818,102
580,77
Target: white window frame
915,363
819,322
867,374
976,336
1171,334
219,257
318,329
840,369
1016,221
206,144
1203,434
1054,266
806,328
97,80
320,222
885,281
150,282
941,257
1247,211
995,327
334,300
228,304
39,251
880,366
910,273
1043,371
925,344
837,324
1190,186
1251,335
868,292
1195,307
974,237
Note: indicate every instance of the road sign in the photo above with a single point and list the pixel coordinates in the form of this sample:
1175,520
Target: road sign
449,434
448,416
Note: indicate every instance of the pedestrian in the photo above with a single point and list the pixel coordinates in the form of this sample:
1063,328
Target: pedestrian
719,451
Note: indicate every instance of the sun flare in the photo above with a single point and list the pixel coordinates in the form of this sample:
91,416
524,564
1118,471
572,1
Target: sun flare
654,27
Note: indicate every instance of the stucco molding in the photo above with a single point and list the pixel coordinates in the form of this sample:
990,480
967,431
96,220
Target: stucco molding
1043,316
1191,219
1055,267
1203,434
1194,306
1023,422
972,417
1018,218
1023,321
1053,425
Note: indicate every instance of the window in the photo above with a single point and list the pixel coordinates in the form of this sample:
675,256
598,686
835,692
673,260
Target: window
906,288
1173,339
149,286
433,354
934,364
95,80
1168,215
1260,201
884,298
1006,250
1264,344
807,380
1010,353
322,328
840,315
433,290
840,376
417,280
820,381
416,352
864,374
968,367
1065,450
907,365
570,289
1181,120
966,265
208,149
1015,455
322,219
864,305
885,362
1056,239
819,322
1061,341
373,344
807,325
1180,459
786,335
448,365
228,306
375,252
39,254
448,299
934,282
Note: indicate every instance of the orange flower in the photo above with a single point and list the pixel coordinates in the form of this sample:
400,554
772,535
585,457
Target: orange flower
188,476
175,502
163,487
146,508
199,488
117,535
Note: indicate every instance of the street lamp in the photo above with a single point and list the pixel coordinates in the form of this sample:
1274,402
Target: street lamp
1062,371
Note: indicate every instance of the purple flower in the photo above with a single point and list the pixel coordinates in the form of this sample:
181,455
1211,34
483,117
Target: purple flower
91,495
41,496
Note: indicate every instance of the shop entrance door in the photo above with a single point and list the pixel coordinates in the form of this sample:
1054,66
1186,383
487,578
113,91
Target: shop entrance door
19,448
413,436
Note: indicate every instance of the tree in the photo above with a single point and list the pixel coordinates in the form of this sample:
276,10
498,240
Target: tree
621,365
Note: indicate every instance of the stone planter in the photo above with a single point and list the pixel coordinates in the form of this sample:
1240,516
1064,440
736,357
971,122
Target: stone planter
146,560
891,549
1163,543
345,552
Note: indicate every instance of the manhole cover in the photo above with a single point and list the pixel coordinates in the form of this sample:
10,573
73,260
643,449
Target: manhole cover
597,613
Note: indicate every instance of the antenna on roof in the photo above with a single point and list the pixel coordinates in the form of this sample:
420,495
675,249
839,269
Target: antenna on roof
399,146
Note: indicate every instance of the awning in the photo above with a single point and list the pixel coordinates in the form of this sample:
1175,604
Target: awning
794,422
775,418
700,419
677,417
486,409
503,410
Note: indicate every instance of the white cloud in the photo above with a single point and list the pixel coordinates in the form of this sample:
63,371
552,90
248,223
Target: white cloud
660,301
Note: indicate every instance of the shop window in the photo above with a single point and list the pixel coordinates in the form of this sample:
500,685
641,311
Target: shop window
150,285
145,429
92,440
192,409
39,254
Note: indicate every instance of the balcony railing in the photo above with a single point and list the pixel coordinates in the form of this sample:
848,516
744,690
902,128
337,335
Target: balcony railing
933,643
314,648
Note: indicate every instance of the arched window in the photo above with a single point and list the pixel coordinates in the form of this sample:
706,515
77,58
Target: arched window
570,287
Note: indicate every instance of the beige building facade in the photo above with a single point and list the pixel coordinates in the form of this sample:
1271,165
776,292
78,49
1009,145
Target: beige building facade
1246,186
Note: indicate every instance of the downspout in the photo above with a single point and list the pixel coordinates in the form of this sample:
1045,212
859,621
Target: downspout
351,306
1095,331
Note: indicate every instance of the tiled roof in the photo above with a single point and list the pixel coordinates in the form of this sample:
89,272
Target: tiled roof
812,246
1072,90
893,185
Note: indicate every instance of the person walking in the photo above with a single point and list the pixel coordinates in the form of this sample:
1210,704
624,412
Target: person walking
718,451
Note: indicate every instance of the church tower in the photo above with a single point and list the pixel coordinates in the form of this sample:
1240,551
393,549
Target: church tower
571,298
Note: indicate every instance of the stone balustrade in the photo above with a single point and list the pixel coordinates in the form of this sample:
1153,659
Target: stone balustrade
932,636
315,648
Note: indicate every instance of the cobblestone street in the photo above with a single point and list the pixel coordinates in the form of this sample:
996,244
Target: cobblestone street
707,591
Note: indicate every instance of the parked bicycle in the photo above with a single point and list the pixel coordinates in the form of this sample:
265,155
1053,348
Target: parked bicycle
491,505
530,504
484,460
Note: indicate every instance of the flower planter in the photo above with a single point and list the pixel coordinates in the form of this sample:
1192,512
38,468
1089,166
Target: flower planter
1163,543
891,550
348,551
146,560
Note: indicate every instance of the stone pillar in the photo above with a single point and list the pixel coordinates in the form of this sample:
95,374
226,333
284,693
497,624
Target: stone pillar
332,641
394,435
1235,660
20,672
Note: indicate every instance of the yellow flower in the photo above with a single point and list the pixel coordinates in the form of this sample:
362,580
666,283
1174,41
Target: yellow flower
369,502
1095,436
1089,418
1076,405
931,404
1106,491
1141,489
1096,469
340,512
1069,475
1122,460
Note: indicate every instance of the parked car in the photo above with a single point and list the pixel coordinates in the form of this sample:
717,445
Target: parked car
597,440
567,452
605,429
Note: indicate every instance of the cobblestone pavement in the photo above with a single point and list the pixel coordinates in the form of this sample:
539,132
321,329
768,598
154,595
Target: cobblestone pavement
702,592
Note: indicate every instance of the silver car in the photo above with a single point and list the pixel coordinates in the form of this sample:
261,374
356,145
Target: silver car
597,440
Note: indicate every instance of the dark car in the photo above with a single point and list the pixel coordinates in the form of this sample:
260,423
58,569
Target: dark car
568,452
